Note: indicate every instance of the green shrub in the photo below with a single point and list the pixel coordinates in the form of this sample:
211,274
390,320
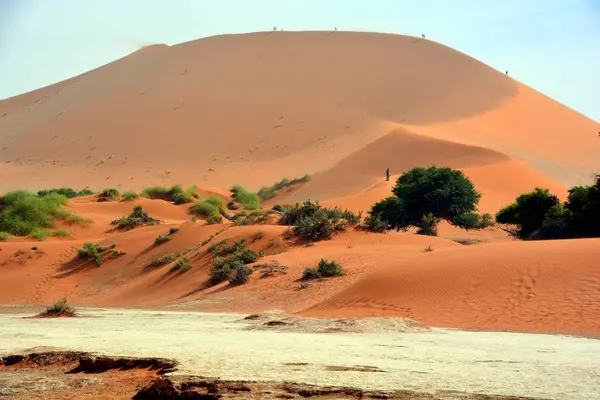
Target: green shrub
67,192
156,192
109,195
204,209
278,207
249,200
473,220
164,259
182,264
324,269
40,234
314,228
138,217
62,232
248,256
266,193
22,212
240,275
3,236
310,274
428,225
220,274
175,193
97,252
257,236
161,239
217,201
375,224
59,309
214,219
130,196
72,219
173,230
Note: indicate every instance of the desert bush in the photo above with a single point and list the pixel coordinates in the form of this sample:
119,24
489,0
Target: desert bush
96,252
164,259
248,256
62,232
138,217
248,200
109,195
240,275
3,236
40,234
324,269
67,192
310,274
173,230
22,212
257,236
214,219
211,208
59,309
175,193
182,264
130,196
374,223
428,225
314,228
266,193
161,239
473,220
278,207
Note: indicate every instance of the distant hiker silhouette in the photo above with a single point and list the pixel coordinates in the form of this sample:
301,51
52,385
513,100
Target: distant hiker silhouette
422,35
506,73
387,175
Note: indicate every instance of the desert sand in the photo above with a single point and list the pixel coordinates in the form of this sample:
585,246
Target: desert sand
340,106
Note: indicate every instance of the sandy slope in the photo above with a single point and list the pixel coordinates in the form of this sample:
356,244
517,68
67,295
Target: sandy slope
281,104
549,286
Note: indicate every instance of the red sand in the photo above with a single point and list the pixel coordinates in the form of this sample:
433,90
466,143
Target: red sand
342,106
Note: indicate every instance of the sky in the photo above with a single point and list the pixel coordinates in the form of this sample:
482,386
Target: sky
550,45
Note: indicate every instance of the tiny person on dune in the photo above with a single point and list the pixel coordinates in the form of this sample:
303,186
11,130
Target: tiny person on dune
387,175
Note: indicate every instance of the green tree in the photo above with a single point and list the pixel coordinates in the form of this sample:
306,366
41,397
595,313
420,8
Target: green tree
528,212
424,196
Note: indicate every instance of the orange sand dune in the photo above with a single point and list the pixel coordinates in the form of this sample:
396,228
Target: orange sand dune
254,108
549,286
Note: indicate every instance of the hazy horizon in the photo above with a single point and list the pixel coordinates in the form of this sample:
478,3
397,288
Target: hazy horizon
550,47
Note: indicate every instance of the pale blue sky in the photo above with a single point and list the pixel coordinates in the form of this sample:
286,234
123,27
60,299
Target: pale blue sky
550,45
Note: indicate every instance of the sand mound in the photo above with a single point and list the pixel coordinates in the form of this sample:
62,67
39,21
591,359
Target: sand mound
548,286
304,102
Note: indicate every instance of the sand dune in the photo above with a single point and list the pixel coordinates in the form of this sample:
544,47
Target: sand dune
548,287
277,104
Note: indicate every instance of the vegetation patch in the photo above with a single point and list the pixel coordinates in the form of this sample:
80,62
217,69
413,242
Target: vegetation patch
182,264
230,262
109,195
211,208
3,236
313,222
249,200
424,196
176,193
162,239
59,309
40,234
266,193
129,196
62,233
324,269
256,217
164,259
98,252
67,192
138,217
25,214
540,215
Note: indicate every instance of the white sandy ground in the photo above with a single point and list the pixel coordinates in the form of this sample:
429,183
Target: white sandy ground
218,345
